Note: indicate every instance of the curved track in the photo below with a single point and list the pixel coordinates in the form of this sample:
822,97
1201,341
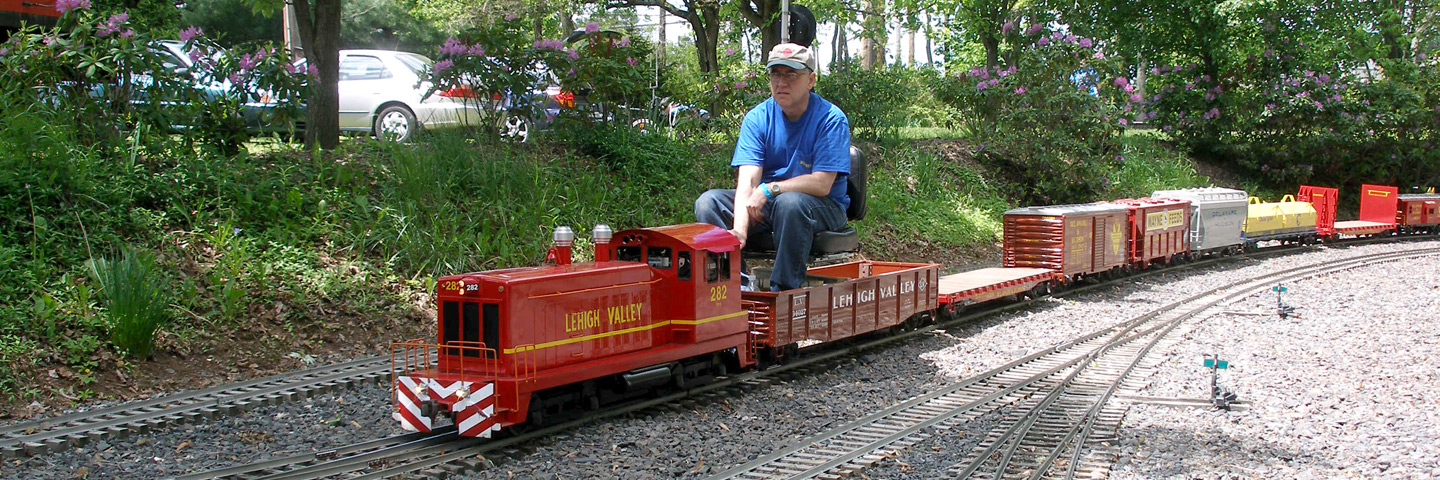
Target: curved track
1062,393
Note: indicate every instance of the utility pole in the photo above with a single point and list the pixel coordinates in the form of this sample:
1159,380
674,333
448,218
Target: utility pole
784,22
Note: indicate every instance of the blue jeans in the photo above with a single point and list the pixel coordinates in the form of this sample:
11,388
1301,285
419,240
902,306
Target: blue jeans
792,217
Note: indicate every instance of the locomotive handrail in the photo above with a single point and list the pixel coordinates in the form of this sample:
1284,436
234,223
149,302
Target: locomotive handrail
583,290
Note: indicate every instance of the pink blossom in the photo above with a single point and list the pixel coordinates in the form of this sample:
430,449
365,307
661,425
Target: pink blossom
741,84
443,65
63,6
1209,96
1020,90
1121,81
1043,41
729,51
570,72
248,63
453,46
290,68
1135,98
1099,55
1128,88
312,71
1085,42
1007,27
195,55
1318,105
1034,28
511,16
1189,86
574,55
982,86
1270,106
623,42
476,50
189,34
1123,122
592,27
632,61
1336,98
1214,112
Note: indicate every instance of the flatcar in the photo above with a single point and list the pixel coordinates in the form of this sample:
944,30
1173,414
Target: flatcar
664,307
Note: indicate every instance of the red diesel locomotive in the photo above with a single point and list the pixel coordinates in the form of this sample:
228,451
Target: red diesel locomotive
663,307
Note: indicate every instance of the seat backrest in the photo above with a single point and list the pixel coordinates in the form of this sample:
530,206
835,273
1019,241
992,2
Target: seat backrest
855,184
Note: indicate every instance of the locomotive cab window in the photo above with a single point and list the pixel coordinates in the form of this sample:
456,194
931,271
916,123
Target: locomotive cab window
629,253
683,266
717,266
658,257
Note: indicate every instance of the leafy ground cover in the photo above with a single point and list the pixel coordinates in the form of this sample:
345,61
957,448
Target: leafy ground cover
277,260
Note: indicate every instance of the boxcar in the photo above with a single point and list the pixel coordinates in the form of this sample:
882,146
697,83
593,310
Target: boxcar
1159,230
1216,218
1073,240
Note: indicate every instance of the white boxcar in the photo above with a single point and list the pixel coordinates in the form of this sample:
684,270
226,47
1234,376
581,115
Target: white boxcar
1217,217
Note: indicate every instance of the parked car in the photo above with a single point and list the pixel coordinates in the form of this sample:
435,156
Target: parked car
259,113
384,93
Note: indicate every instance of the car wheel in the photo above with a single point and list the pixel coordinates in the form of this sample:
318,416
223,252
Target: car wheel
395,124
516,128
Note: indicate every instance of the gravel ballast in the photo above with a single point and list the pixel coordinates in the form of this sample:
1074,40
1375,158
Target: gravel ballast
1330,397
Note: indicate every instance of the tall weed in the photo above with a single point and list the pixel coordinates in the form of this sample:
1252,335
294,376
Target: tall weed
137,299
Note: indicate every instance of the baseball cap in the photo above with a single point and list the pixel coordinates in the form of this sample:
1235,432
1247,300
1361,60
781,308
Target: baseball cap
792,55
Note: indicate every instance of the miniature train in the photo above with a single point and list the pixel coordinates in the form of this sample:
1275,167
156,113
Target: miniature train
663,307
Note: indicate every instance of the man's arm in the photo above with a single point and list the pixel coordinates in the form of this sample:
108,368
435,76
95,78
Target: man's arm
813,183
747,205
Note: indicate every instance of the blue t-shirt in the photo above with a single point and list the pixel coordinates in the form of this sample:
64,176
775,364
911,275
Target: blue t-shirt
818,142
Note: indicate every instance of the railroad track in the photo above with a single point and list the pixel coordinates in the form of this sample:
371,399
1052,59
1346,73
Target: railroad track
76,429
1063,397
59,433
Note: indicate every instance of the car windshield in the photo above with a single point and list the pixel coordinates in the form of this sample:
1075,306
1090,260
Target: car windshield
417,64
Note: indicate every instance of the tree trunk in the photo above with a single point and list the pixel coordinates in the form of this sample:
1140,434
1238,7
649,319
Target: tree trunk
910,46
929,47
320,37
660,45
992,49
872,44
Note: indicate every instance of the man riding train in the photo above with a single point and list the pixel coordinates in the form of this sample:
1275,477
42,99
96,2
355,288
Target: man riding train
793,161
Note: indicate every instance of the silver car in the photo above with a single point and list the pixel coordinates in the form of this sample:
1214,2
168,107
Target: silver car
382,93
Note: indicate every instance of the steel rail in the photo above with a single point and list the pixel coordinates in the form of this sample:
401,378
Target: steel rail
58,433
853,456
1020,432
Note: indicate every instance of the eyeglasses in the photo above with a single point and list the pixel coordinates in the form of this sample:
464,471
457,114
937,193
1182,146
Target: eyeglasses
787,77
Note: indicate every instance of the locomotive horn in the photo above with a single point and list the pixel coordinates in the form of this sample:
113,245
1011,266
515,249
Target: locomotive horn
602,235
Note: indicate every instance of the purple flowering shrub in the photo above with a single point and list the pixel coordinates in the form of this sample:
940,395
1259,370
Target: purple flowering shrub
880,101
1035,120
727,94
1291,123
501,59
98,79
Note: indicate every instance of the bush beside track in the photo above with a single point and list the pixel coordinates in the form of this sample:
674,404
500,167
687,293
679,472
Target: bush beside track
283,258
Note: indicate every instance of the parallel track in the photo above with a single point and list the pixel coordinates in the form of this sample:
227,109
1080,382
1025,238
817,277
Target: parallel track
1063,394
58,433
76,429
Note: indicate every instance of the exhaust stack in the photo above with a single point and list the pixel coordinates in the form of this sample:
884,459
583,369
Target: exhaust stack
564,238
602,235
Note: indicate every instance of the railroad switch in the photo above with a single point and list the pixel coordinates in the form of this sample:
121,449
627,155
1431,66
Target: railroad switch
1281,308
1221,397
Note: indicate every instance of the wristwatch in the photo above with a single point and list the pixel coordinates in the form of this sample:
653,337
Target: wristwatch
775,189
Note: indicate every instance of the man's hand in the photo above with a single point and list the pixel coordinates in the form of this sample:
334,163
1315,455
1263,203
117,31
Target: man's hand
755,205
740,235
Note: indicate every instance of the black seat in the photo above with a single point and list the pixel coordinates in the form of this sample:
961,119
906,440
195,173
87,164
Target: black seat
828,242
